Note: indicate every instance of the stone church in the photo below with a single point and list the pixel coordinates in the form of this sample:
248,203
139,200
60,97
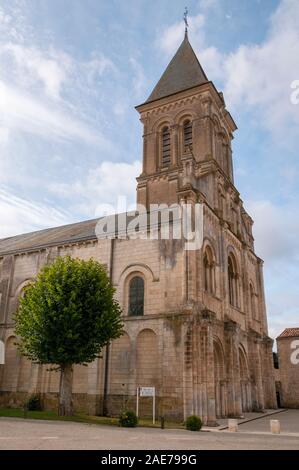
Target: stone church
195,321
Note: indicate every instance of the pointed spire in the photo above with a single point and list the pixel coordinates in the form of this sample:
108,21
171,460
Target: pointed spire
183,72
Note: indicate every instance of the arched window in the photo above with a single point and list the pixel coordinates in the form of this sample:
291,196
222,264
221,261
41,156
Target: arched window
209,271
136,296
252,302
166,156
233,281
187,136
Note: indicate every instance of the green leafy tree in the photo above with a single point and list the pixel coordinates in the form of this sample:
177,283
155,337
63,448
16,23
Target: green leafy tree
66,317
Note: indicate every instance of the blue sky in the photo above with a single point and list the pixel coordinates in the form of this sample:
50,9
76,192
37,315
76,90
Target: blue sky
71,72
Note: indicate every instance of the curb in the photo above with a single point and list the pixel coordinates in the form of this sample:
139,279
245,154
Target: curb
248,420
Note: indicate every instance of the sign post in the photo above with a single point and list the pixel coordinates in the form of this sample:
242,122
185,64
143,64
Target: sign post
137,403
2,352
146,392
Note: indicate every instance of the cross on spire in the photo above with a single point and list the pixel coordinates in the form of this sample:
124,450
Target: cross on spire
186,21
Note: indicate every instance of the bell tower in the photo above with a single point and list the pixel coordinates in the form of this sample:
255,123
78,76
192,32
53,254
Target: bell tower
186,137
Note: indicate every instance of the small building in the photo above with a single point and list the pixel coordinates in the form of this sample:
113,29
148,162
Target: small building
287,375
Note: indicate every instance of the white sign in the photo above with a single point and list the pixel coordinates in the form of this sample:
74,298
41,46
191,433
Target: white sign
147,391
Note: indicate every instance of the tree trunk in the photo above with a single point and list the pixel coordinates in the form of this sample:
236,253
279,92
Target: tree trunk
65,391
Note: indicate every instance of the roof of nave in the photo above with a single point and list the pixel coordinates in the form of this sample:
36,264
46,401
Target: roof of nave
50,237
183,72
67,234
289,333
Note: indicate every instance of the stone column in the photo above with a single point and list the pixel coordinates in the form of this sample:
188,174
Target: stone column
133,368
237,378
223,396
203,370
261,303
188,369
248,396
174,145
190,265
234,404
207,332
145,138
259,405
218,398
196,370
208,128
245,288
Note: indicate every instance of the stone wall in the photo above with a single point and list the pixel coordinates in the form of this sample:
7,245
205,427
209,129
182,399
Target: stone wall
202,355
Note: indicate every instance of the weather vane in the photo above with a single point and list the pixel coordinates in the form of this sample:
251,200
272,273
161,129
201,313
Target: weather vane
186,20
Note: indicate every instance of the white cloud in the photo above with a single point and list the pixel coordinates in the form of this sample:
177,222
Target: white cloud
261,76
4,135
101,186
96,67
283,304
172,36
24,112
208,4
50,67
18,215
139,79
257,77
120,108
276,231
212,61
4,18
61,84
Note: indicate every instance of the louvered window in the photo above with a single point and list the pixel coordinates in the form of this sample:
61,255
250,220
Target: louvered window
187,136
166,147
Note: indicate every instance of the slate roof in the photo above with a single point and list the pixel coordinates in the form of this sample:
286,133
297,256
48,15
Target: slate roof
289,333
50,237
72,233
183,72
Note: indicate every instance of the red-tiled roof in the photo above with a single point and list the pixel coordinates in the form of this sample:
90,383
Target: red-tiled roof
289,333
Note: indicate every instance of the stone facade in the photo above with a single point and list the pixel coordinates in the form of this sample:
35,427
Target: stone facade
202,340
287,376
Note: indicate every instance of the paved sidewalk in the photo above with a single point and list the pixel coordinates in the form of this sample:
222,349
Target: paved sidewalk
252,416
289,423
259,423
16,433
